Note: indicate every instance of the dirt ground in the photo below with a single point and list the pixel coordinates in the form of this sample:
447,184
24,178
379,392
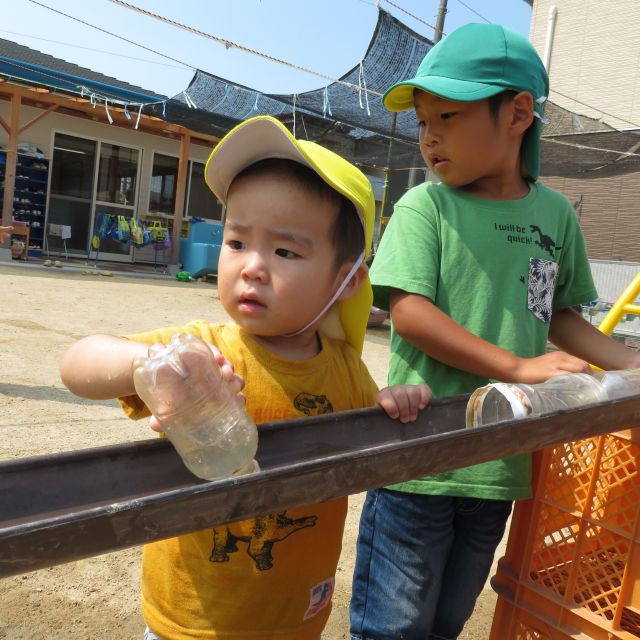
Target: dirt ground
42,312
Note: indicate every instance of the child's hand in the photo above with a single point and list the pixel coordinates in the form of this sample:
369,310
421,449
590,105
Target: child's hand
403,401
171,374
229,375
540,369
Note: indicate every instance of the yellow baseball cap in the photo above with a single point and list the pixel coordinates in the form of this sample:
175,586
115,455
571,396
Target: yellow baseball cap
265,137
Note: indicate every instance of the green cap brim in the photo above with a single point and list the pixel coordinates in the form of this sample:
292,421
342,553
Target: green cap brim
400,96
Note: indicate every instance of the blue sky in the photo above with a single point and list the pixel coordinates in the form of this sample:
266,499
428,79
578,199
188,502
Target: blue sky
330,36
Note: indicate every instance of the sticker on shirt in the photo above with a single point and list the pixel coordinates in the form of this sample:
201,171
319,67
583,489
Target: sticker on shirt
319,597
542,283
265,532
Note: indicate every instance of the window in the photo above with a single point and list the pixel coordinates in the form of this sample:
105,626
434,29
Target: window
117,174
164,180
72,170
201,203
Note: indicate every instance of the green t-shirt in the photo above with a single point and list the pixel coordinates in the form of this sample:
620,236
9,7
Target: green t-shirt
496,267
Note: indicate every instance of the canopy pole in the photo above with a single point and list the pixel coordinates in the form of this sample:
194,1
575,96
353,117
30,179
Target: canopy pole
10,172
385,190
442,12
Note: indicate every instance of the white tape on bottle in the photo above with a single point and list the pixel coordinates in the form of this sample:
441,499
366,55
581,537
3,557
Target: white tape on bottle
519,408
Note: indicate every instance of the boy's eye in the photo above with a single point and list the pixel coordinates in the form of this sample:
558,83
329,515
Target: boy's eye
235,244
447,115
286,253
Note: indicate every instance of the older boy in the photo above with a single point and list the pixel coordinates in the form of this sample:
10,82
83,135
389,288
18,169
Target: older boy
298,224
478,271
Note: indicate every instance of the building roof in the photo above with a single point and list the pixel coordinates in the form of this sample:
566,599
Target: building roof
23,63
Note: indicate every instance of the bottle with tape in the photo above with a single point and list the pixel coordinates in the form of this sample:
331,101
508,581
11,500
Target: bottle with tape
510,401
182,385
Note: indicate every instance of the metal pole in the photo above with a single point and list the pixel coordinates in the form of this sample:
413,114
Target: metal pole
442,11
387,171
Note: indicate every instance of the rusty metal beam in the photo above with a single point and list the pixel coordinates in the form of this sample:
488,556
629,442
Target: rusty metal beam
64,507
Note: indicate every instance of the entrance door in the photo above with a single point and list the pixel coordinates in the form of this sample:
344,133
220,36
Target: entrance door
87,178
116,192
71,191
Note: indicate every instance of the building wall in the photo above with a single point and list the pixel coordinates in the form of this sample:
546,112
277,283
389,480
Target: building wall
610,218
41,135
595,58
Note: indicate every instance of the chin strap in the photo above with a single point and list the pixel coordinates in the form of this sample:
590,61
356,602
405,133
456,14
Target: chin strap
335,296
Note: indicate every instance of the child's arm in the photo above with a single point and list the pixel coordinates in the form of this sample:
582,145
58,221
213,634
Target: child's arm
101,366
403,401
570,332
420,322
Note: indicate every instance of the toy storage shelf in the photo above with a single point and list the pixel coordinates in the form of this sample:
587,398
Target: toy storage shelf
30,196
149,253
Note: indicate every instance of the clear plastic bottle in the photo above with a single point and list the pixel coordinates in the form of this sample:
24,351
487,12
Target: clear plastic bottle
206,422
506,401
618,384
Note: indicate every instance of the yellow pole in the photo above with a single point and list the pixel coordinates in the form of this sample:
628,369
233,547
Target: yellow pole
624,304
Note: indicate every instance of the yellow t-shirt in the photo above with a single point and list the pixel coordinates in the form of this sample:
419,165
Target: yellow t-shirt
272,577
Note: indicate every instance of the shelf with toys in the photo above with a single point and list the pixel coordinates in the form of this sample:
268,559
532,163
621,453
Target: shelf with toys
29,196
160,223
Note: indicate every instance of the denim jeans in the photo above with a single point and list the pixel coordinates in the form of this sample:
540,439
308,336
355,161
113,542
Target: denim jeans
421,563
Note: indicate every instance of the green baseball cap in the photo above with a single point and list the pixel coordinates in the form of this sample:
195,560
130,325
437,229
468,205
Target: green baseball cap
475,62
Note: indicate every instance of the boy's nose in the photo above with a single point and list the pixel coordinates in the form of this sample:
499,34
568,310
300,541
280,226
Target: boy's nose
255,267
428,135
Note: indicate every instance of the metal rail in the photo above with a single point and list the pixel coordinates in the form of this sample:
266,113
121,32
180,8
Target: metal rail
63,507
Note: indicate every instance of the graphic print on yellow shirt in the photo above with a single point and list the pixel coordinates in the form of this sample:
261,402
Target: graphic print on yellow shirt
265,578
264,533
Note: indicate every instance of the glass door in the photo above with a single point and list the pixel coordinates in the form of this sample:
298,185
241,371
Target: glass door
116,194
71,191
199,199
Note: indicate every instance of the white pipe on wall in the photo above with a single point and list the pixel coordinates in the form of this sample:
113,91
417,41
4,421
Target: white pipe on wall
551,28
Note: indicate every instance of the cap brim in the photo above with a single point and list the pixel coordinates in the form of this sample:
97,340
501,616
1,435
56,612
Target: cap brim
249,142
265,137
400,96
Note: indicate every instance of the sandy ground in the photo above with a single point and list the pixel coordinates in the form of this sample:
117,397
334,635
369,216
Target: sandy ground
42,312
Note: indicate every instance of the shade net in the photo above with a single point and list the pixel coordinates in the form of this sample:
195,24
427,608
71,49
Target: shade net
341,115
340,118
347,119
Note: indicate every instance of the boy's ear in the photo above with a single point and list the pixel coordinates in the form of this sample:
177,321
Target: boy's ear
521,112
353,286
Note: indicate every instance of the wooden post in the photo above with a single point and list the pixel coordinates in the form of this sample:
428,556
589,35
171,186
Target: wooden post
181,188
10,167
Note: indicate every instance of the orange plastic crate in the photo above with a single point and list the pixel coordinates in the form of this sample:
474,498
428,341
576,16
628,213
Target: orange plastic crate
572,565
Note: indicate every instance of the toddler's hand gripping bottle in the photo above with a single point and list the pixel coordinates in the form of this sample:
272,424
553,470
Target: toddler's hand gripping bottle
205,420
